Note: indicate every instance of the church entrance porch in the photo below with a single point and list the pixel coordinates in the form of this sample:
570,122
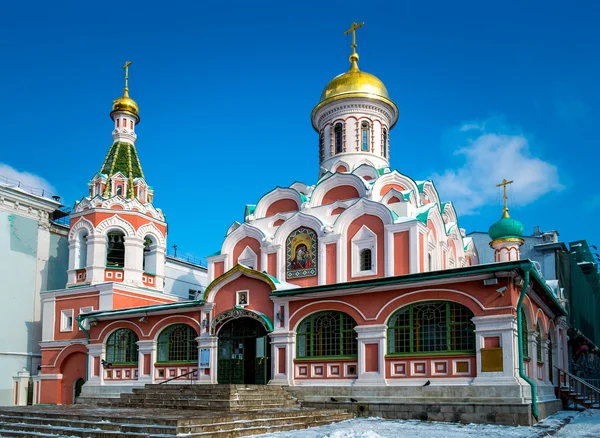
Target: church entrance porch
243,348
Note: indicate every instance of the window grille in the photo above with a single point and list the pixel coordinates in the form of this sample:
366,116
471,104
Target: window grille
115,251
122,348
327,334
524,339
366,260
337,130
439,326
177,343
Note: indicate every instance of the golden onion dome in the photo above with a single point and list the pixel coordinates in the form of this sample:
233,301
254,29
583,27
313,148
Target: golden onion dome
355,83
126,104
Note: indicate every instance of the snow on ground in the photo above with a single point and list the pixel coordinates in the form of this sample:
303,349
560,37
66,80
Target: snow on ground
584,425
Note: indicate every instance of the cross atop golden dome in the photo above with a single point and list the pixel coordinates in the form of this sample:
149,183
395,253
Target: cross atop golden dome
355,83
126,103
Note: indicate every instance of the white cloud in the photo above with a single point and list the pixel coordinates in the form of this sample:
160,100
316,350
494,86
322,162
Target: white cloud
488,156
10,175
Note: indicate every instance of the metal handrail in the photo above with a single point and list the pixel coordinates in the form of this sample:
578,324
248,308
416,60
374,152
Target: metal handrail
579,386
177,377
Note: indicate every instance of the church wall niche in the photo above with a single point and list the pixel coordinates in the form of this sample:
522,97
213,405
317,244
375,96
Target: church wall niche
272,264
401,253
219,269
241,245
282,206
389,187
340,193
331,263
374,224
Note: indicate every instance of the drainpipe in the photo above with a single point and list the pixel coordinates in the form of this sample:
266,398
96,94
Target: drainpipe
87,334
534,407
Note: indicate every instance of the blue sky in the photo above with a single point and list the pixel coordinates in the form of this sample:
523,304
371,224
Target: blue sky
486,90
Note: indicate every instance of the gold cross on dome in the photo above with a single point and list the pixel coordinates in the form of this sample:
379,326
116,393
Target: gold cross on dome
126,67
352,29
503,184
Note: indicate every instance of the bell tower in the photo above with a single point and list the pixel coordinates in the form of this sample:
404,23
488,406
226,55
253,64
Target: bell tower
117,235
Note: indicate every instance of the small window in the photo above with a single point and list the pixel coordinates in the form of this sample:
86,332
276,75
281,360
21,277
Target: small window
117,123
365,260
365,136
337,130
66,320
385,143
119,189
192,294
131,124
124,123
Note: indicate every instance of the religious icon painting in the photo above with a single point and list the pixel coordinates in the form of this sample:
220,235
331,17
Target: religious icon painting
242,297
301,251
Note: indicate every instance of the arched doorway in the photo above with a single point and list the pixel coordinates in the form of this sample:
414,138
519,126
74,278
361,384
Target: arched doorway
243,352
78,386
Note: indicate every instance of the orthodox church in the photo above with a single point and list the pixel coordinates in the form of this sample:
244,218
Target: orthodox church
360,283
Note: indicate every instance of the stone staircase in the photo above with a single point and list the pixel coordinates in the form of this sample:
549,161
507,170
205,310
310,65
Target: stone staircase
234,398
95,422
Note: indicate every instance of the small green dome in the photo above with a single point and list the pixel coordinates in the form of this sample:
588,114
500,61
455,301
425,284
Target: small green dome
506,227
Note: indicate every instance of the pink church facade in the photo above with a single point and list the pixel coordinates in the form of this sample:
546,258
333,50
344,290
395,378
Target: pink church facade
362,279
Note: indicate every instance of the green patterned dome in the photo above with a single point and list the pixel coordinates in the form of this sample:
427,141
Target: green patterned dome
506,227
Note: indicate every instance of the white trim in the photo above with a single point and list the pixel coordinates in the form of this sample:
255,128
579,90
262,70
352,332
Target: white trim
65,314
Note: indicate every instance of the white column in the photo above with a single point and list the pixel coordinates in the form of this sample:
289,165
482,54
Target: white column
545,351
134,256
283,374
73,251
211,343
504,327
96,259
96,352
370,336
145,348
21,386
160,268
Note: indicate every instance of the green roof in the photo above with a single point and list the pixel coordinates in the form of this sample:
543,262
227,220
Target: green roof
122,157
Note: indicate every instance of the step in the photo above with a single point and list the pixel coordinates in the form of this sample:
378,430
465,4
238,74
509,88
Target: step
93,424
73,415
264,422
63,431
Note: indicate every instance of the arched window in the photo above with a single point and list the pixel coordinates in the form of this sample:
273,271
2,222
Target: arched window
328,333
524,331
365,260
119,189
338,137
384,143
437,326
540,341
177,343
81,249
122,347
364,135
115,249
149,261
